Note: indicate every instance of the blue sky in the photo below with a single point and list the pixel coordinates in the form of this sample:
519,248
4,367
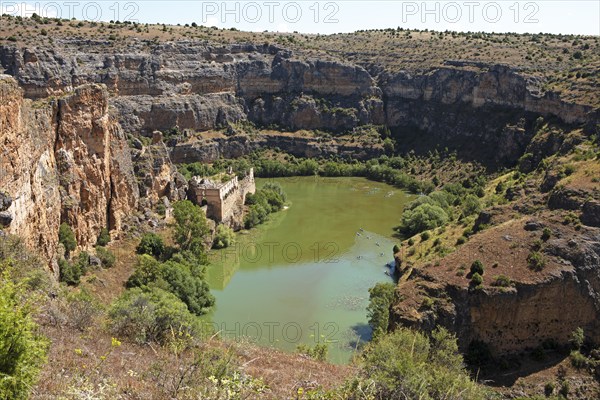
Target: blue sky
312,16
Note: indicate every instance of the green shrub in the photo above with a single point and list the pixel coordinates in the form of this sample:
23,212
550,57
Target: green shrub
103,238
151,244
22,349
70,272
577,339
476,280
461,240
67,238
578,360
178,276
407,365
106,256
190,228
421,218
149,314
536,261
477,267
381,297
502,281
318,351
224,237
396,249
425,236
546,234
471,205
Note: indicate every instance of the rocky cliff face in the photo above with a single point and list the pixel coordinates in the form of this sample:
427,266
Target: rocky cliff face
28,170
63,161
198,86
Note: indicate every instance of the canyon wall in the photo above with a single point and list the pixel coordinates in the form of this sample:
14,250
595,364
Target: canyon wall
488,111
63,160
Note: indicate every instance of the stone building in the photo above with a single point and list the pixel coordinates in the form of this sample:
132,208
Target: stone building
222,199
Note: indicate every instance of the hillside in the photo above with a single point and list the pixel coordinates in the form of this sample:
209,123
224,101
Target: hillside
103,125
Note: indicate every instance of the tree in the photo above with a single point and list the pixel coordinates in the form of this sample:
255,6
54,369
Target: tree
151,244
22,349
477,267
224,237
191,227
149,314
423,217
407,365
381,297
67,238
103,238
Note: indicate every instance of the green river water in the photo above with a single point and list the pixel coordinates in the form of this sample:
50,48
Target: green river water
303,277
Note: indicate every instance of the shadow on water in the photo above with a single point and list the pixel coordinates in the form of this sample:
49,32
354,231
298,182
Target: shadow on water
362,333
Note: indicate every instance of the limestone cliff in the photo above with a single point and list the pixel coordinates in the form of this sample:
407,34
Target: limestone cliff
487,111
63,160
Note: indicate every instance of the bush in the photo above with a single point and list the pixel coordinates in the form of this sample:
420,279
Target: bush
471,205
476,280
224,237
407,365
103,238
396,249
178,276
149,314
477,267
67,238
577,339
578,360
106,256
536,261
422,218
191,227
151,244
22,349
425,236
318,352
502,281
461,240
71,272
381,297
546,234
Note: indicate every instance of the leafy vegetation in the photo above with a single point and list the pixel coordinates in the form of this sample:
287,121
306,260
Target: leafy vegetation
66,237
22,348
149,315
103,238
224,237
269,199
408,365
381,297
151,244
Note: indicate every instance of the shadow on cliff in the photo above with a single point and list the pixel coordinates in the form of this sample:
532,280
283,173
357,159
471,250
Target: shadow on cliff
506,372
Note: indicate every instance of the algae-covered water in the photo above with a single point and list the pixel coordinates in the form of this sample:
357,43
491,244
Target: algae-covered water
303,277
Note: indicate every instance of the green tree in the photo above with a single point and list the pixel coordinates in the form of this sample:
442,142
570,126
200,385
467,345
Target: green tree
407,365
381,297
224,237
103,238
22,349
422,218
191,227
67,238
151,244
149,314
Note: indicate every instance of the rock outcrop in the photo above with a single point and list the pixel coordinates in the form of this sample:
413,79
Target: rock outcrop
487,111
63,161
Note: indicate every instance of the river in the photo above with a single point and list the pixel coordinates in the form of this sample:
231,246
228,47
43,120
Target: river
303,277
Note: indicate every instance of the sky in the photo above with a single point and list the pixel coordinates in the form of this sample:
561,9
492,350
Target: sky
325,17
